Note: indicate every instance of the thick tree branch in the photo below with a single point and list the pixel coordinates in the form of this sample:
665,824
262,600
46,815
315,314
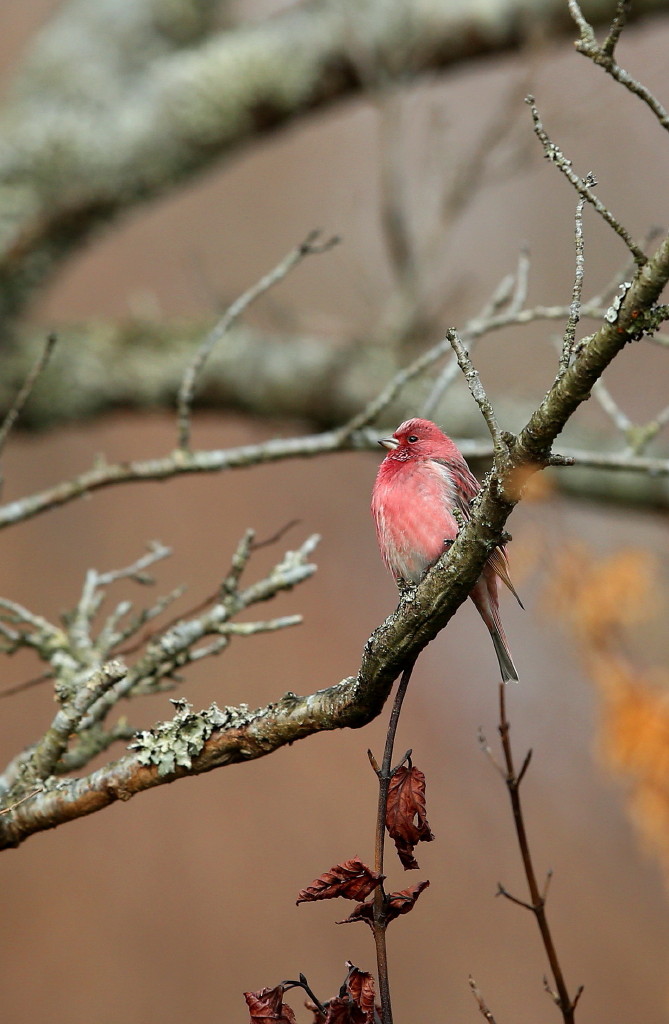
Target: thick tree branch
99,367
241,735
238,735
85,139
192,742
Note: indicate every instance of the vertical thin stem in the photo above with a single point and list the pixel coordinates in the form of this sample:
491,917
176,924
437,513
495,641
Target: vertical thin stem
26,389
537,904
384,776
569,337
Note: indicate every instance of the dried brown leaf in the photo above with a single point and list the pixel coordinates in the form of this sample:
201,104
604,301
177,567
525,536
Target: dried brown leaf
353,880
355,1002
403,901
360,987
363,912
342,1010
396,903
267,1005
406,819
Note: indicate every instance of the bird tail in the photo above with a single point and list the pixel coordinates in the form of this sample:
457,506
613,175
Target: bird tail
506,665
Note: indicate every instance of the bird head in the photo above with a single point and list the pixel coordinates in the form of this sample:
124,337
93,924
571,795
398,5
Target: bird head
418,439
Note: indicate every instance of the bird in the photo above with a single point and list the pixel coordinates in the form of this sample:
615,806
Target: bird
422,490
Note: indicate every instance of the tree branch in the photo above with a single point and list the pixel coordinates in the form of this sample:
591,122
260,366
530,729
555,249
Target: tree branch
127,129
309,247
604,55
575,385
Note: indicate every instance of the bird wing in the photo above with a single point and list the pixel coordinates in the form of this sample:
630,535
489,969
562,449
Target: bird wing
466,487
464,484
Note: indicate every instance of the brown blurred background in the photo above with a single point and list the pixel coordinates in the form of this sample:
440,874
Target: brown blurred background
169,907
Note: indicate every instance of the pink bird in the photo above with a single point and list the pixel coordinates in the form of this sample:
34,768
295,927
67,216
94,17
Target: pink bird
422,479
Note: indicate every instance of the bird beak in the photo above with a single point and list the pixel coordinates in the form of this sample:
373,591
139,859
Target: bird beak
391,443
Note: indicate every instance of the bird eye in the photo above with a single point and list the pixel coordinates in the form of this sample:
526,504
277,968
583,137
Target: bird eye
412,438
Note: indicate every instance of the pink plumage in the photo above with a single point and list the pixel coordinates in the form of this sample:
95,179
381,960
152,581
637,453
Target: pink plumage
422,479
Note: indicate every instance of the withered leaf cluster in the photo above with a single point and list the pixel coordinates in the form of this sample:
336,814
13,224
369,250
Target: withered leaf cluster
354,1004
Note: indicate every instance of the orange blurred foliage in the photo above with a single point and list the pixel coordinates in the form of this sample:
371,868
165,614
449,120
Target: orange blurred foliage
600,598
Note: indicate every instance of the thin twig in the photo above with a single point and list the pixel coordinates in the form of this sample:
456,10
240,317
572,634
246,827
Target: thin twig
384,776
476,388
569,336
177,463
256,545
507,293
21,800
486,1012
617,25
308,247
374,408
537,903
26,388
604,56
611,407
27,684
519,296
653,467
393,177
470,173
646,433
556,156
304,984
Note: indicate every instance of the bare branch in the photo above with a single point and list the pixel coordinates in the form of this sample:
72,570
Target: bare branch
611,407
485,1011
178,463
619,461
510,292
392,179
25,390
603,55
309,247
208,92
640,437
569,336
89,678
476,388
617,25
575,385
374,408
537,903
556,156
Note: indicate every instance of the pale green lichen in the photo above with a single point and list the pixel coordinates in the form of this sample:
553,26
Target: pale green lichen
178,742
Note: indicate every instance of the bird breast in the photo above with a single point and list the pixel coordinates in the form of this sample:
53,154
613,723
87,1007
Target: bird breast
414,518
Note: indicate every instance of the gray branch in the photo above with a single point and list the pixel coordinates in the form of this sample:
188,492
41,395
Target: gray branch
121,101
218,737
91,678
